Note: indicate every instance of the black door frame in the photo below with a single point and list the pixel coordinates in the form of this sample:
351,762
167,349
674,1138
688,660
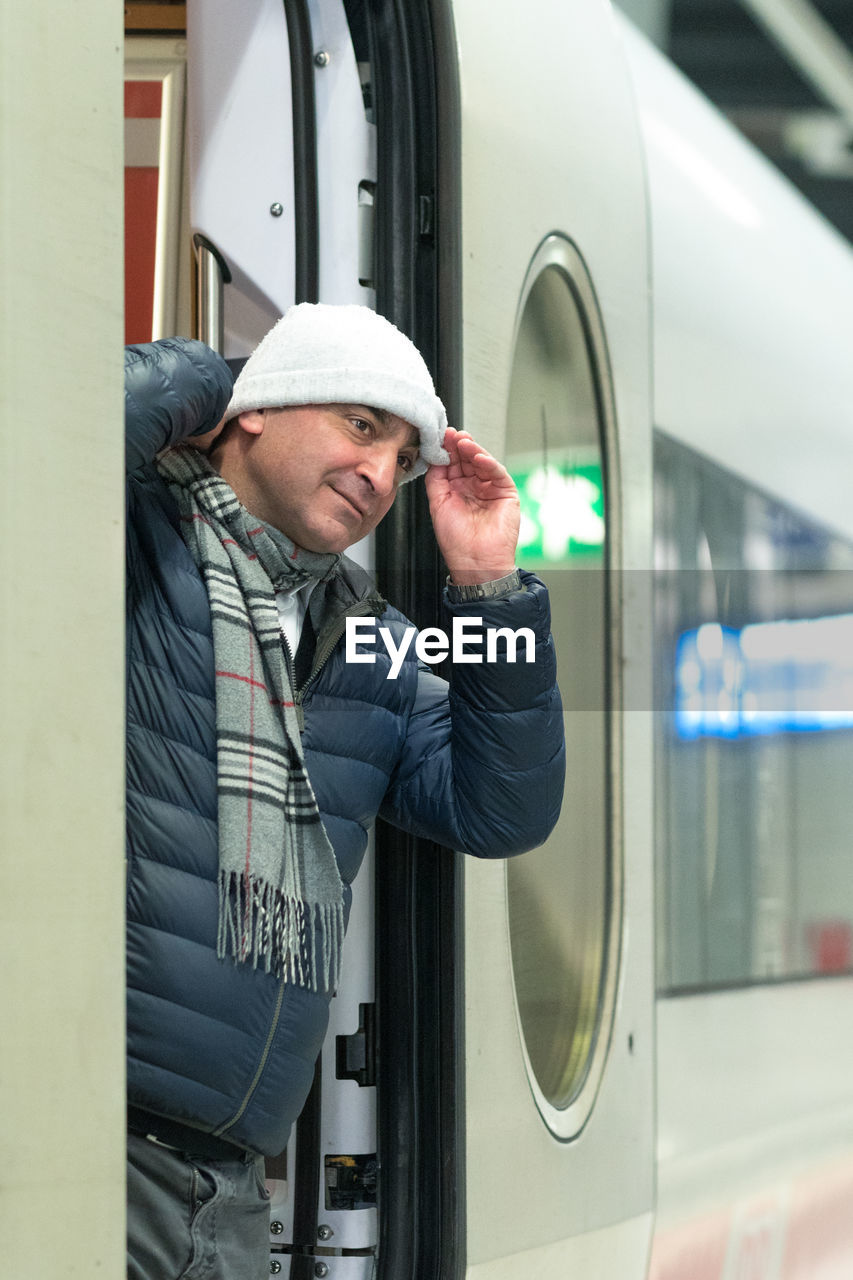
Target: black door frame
419,898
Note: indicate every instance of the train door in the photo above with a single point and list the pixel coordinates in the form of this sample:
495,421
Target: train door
558,968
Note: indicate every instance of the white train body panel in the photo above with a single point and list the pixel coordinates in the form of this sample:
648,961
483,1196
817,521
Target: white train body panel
751,295
753,1090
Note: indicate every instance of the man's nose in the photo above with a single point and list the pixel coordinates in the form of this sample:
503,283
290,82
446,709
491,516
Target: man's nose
379,468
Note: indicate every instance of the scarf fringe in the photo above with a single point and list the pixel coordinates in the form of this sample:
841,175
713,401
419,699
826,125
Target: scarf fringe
298,941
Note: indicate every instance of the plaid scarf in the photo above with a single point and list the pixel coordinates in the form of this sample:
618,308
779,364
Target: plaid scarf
280,891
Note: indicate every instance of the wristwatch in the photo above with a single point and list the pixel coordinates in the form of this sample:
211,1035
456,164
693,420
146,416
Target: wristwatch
461,592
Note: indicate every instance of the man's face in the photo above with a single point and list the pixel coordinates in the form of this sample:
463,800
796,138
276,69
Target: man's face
325,475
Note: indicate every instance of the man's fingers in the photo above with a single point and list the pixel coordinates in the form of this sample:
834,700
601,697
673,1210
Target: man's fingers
470,462
465,448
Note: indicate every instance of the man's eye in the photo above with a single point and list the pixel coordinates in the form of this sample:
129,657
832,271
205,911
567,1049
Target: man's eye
405,462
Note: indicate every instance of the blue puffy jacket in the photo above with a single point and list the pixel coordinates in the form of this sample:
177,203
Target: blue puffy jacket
216,1045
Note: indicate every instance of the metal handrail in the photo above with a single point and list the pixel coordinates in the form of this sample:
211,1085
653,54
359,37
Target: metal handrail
212,275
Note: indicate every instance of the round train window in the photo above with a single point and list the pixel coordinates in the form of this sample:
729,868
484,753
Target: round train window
563,898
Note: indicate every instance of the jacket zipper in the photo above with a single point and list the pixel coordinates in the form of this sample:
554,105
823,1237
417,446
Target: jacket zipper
372,606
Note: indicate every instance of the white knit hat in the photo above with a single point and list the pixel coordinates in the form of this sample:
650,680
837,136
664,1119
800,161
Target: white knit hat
323,354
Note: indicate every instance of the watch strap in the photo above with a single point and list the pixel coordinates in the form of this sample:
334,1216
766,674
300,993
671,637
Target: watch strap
464,592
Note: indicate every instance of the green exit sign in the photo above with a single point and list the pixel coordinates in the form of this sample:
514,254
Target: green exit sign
562,511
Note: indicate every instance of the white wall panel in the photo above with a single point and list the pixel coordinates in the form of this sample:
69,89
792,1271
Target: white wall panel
61,642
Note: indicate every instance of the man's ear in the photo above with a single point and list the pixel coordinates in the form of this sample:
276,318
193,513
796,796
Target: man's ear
252,421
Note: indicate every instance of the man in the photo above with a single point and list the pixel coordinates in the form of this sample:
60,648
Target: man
262,744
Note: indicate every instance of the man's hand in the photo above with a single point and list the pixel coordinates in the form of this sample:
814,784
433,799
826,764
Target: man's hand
475,511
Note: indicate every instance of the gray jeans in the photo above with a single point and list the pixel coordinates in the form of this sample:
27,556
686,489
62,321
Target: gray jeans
189,1218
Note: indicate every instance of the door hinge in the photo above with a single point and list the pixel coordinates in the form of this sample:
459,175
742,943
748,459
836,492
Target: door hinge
356,1054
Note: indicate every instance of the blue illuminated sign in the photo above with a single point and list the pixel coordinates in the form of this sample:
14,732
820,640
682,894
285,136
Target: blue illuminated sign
769,677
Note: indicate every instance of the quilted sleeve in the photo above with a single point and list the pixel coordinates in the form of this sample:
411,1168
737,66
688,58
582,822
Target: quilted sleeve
483,765
173,389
